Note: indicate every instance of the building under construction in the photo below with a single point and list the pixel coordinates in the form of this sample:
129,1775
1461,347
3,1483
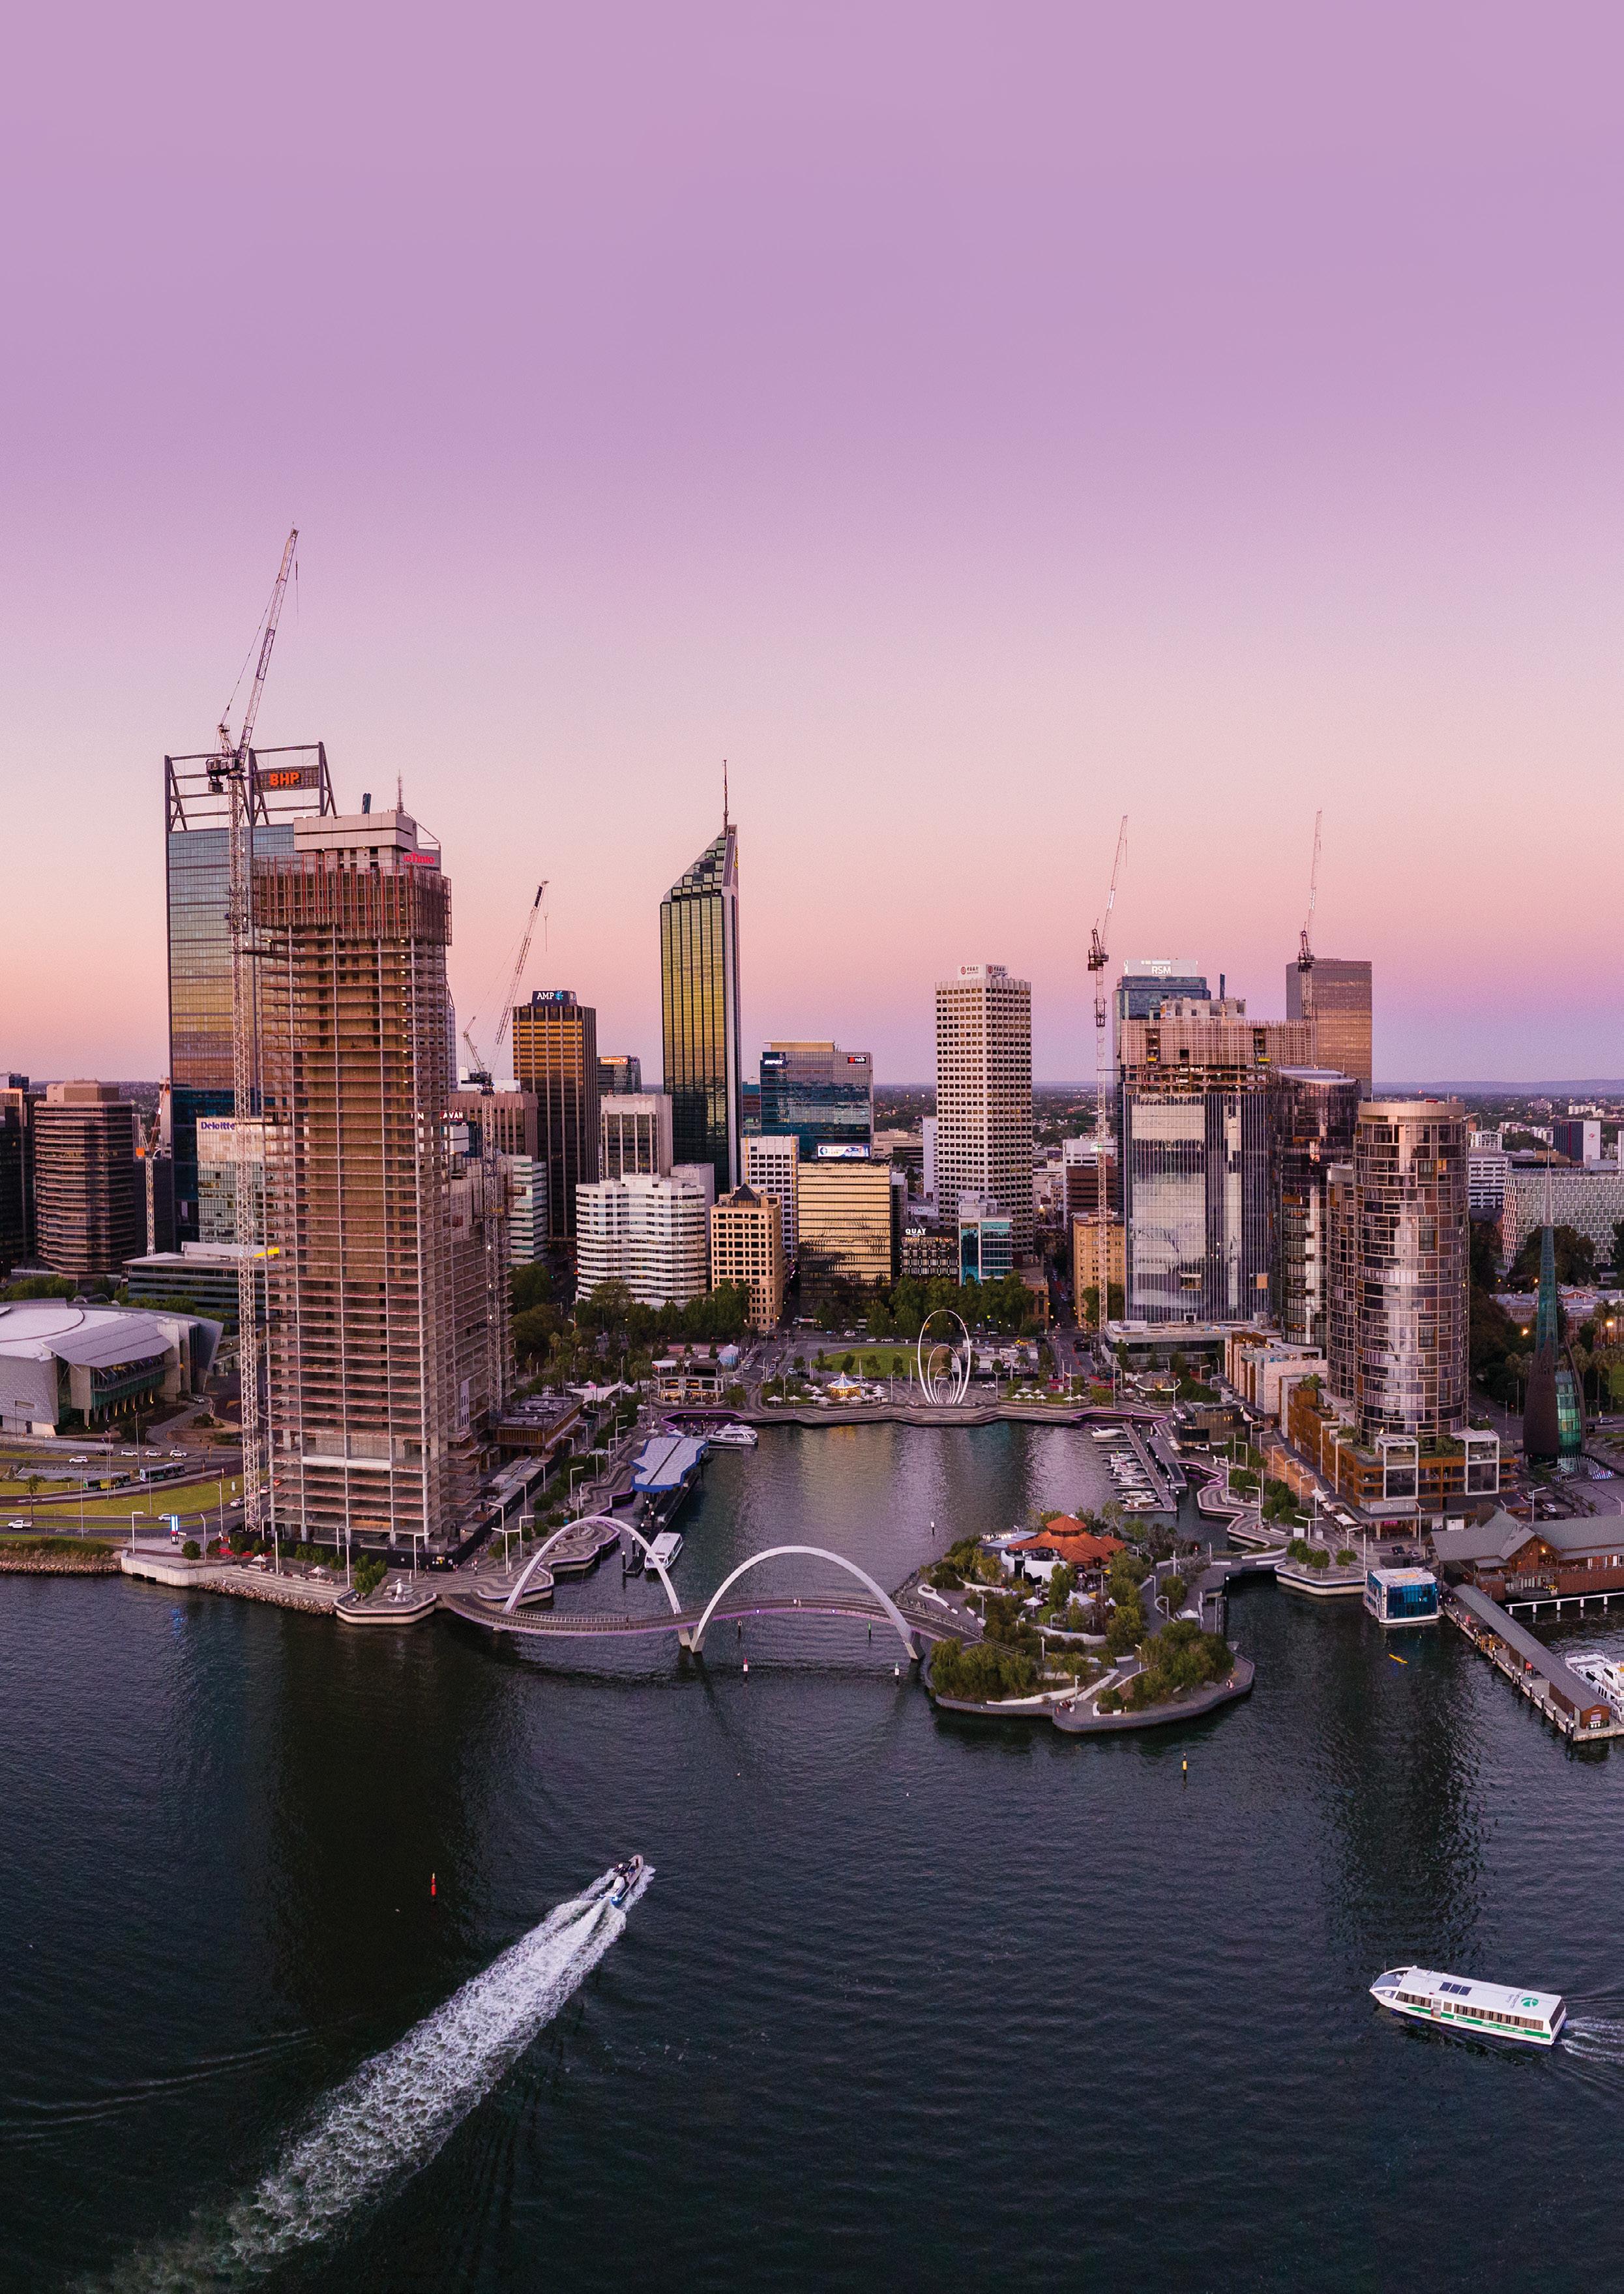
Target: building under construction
387,1339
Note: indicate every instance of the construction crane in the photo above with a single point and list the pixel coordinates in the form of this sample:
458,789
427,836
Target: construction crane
479,1074
1305,953
1099,957
231,772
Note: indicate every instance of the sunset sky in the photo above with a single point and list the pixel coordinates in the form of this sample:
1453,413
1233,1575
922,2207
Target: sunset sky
972,422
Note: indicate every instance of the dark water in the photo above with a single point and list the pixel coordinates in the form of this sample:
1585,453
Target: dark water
909,2002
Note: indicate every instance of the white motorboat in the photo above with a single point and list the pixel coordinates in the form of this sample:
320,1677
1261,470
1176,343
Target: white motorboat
732,1438
625,1878
1461,2004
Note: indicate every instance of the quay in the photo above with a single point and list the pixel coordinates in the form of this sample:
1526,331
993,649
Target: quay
1570,1704
283,1592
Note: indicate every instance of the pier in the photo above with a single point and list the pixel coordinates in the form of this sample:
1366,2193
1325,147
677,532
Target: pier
1572,1705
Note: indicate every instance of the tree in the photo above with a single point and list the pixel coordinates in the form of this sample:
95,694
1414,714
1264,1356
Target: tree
1174,1590
530,1286
1575,1256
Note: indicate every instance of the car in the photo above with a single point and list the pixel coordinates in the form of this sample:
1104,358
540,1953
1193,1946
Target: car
177,1453
129,1453
16,1524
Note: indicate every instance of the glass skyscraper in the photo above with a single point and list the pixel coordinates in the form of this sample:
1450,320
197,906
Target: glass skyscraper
286,784
699,1010
821,1094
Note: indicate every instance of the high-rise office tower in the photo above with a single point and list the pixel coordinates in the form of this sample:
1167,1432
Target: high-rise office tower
387,1339
850,1223
89,1200
1340,996
699,1010
634,1135
652,1235
619,1073
772,1167
283,784
1396,1323
555,1055
821,1095
1197,1088
17,1244
1150,981
747,1248
984,1094
1317,1110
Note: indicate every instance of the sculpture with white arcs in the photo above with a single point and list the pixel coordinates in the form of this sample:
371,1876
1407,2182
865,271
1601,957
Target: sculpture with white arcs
587,1520
693,1638
944,1381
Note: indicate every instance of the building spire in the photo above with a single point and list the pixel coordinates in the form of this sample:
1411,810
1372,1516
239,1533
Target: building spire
724,799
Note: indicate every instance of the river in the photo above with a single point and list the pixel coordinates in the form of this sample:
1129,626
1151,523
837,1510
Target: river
908,2001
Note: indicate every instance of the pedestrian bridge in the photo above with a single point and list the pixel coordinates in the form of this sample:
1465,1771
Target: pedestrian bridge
865,1600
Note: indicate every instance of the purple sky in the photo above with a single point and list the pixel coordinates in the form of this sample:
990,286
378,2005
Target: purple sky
974,423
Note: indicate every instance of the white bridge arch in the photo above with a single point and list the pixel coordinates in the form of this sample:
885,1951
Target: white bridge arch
587,1520
694,1638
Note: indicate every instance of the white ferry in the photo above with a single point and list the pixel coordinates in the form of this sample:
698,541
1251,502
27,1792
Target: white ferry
1536,2018
663,1549
732,1438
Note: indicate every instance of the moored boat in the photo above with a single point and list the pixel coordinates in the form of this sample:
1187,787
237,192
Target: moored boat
732,1438
1461,2004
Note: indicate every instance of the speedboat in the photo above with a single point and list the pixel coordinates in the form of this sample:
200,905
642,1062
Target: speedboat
625,1878
1462,2004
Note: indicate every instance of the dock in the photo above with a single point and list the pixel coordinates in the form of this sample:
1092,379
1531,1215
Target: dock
1572,1705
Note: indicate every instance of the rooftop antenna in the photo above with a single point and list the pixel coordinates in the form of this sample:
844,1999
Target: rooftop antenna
400,792
724,796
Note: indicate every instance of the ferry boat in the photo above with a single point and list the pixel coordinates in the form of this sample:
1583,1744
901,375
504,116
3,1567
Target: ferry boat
1461,2004
732,1438
663,1549
625,1878
1602,1672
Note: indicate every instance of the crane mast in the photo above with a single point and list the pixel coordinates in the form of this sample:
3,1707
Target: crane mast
1099,958
232,771
479,1074
1305,953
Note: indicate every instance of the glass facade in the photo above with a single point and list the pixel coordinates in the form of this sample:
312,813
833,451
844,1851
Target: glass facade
1318,1110
699,1010
555,1056
1198,1171
1396,1324
821,1094
287,783
1144,987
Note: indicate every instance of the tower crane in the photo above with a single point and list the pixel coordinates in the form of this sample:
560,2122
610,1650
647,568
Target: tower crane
1305,953
230,771
1099,957
479,1074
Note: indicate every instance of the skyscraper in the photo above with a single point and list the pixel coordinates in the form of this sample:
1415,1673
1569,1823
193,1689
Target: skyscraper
555,1055
89,1209
283,784
1317,1110
699,1010
619,1071
1396,1321
1150,981
1199,1107
386,1341
823,1096
984,1095
1340,1001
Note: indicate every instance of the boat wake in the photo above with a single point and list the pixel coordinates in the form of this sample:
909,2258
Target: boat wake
1594,2040
392,2116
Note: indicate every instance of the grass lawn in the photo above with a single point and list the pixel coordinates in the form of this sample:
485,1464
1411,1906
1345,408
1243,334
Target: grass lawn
188,1498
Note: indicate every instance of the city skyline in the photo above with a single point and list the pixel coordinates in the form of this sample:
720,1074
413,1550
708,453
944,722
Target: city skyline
1115,426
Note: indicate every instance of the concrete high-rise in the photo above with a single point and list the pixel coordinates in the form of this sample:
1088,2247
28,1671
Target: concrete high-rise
387,1342
699,1010
747,1248
984,1095
651,1233
283,784
772,1167
1198,1088
634,1135
1340,998
1396,1326
555,1055
89,1205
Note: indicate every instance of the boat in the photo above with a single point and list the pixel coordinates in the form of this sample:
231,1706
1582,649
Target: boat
732,1438
1602,1672
1461,2004
664,1551
625,1878
1107,1433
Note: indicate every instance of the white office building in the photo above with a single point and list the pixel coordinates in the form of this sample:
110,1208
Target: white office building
649,1233
527,1194
772,1167
984,1094
634,1135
